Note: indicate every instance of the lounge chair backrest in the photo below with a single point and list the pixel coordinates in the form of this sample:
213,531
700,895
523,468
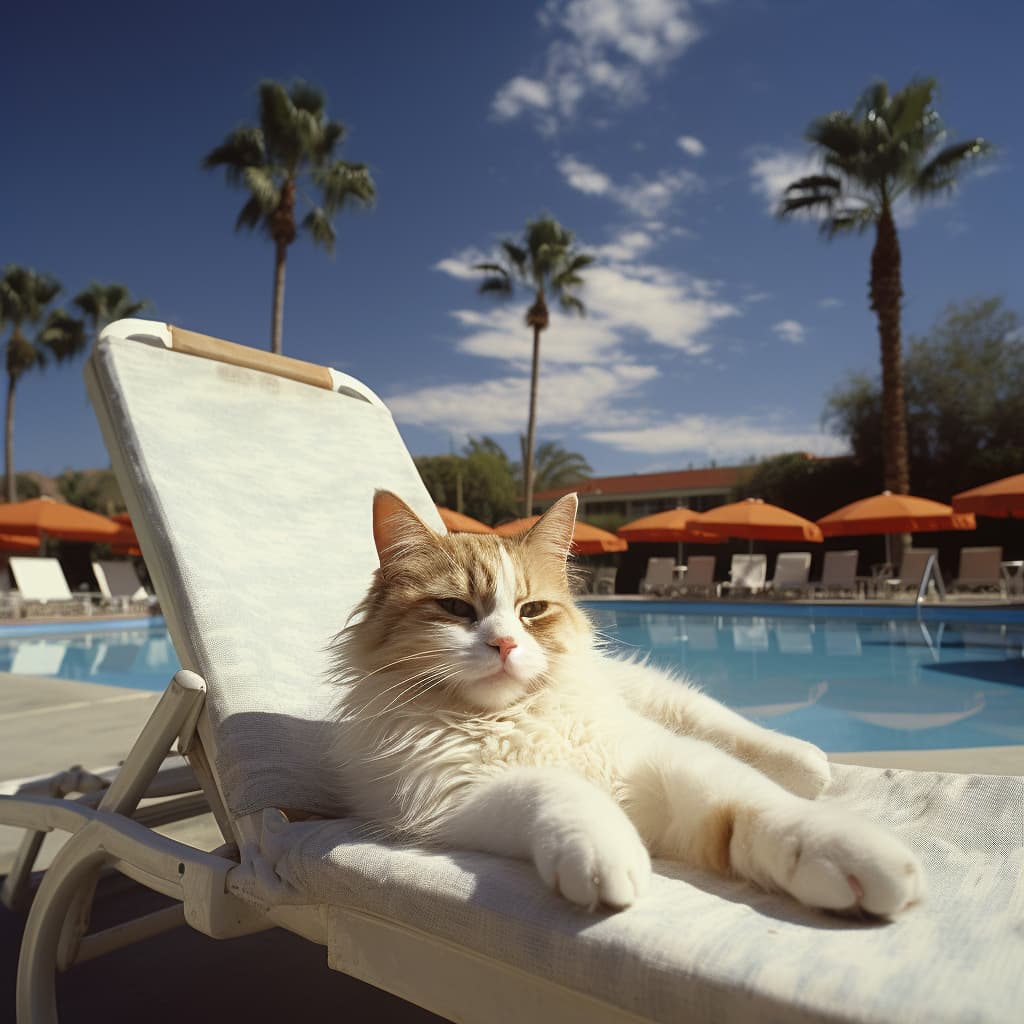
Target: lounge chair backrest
839,568
118,579
659,572
700,570
748,571
250,479
40,579
915,561
791,568
981,564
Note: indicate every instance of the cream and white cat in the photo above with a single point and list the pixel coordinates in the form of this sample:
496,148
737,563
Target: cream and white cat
476,712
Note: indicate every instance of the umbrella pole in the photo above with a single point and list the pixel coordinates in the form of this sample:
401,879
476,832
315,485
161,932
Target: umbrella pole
888,549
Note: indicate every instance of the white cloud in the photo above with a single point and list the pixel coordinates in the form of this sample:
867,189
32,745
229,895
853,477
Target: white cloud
829,302
691,145
645,198
577,396
462,264
519,94
726,438
604,48
790,330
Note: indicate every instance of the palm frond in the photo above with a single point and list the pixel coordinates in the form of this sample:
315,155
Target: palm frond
501,285
343,183
62,335
318,223
847,220
278,123
941,172
823,184
251,216
571,304
516,255
244,147
307,97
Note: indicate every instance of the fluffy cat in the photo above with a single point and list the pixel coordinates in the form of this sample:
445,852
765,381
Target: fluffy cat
477,712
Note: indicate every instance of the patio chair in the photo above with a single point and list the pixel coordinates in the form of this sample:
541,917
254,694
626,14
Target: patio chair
198,429
981,569
44,587
792,569
604,580
746,575
838,575
119,584
916,565
659,577
699,577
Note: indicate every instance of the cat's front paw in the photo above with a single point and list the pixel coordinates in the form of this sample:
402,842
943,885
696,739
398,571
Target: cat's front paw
836,861
591,865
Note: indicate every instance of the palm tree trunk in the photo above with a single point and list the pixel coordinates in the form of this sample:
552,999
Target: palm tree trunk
277,314
531,426
12,489
886,293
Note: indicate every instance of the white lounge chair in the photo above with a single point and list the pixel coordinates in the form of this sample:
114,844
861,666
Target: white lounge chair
119,584
659,577
699,577
981,569
250,603
604,580
44,587
838,574
746,575
792,569
916,563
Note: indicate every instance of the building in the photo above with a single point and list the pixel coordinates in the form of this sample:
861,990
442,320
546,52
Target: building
640,494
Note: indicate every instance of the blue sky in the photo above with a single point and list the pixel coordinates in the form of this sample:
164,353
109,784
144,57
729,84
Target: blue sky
658,130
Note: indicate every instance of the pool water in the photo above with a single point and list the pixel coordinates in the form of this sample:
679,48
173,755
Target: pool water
848,682
844,678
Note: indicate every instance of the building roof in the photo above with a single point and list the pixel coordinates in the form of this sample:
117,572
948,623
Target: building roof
717,479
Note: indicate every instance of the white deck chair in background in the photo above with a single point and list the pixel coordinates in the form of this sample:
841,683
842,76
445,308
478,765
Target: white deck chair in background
44,587
604,580
119,584
746,575
699,577
981,569
838,574
197,429
658,578
916,562
792,569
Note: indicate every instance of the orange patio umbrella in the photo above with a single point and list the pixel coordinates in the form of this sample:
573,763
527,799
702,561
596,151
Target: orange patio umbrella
44,516
18,542
586,539
675,525
893,513
1000,498
459,523
126,542
756,519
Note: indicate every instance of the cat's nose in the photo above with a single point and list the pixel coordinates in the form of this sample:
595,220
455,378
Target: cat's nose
506,645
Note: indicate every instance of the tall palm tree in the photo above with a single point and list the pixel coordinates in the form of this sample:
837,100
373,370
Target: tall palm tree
292,149
102,304
25,298
545,263
890,145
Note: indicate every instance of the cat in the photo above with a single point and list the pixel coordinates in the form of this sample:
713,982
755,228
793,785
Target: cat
478,712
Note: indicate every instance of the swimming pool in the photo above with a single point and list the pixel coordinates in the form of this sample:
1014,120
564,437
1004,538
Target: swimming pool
847,678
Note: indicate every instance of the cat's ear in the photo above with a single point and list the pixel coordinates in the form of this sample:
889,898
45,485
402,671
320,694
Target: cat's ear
396,527
552,533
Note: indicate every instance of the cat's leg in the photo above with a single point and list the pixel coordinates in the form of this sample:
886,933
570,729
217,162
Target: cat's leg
800,767
692,802
581,842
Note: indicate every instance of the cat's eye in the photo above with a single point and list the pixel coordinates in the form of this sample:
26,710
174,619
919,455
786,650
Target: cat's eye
459,608
532,609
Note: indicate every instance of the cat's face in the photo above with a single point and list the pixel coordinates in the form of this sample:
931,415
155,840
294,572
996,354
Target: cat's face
473,621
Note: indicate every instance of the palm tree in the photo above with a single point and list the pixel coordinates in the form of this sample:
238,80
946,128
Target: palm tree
292,148
888,146
546,264
555,466
102,304
24,300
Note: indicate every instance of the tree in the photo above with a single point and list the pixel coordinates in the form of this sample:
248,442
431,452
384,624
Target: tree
555,466
479,482
965,400
291,150
102,304
887,147
25,298
545,263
